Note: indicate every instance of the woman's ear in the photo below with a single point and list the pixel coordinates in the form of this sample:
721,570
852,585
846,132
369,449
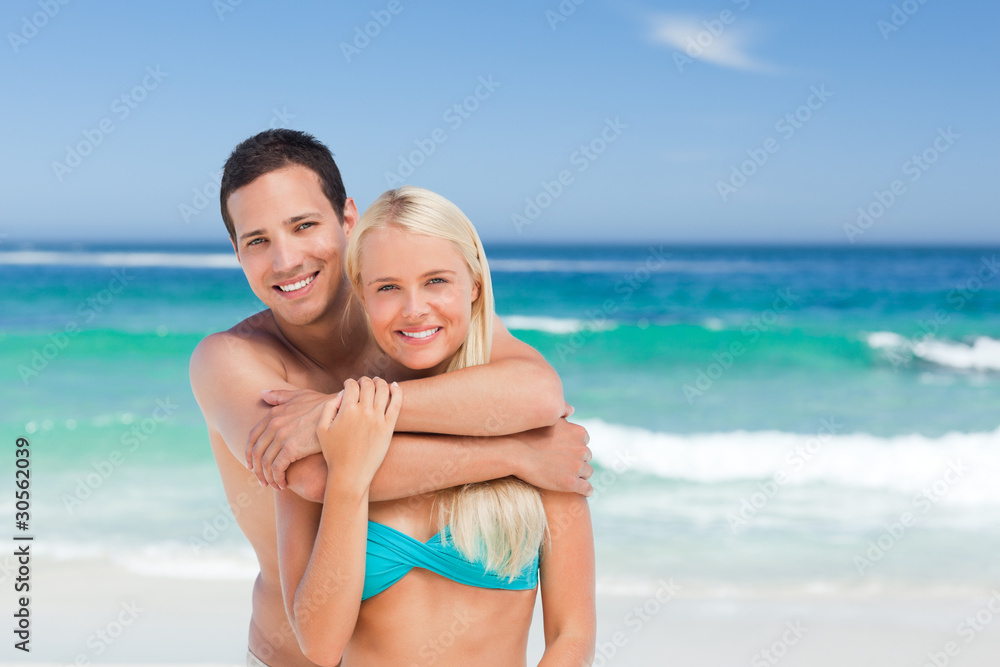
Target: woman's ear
475,291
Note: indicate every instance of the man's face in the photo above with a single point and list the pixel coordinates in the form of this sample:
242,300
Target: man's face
291,244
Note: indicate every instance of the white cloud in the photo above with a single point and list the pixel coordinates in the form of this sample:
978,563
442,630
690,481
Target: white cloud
709,40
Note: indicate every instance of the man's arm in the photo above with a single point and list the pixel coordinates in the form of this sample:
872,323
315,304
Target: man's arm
228,373
516,392
555,458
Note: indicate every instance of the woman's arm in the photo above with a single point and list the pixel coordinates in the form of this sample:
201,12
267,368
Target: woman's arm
567,582
321,549
321,590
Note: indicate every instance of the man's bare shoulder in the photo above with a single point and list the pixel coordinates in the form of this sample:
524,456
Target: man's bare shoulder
251,343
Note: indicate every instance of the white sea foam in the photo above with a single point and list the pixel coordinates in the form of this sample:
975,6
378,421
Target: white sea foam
982,353
673,484
159,559
541,265
228,261
885,339
179,561
554,325
121,259
625,267
904,464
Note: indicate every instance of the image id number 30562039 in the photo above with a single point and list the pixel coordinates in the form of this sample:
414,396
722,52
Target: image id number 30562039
22,545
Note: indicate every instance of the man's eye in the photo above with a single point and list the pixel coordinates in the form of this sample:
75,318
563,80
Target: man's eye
307,225
255,242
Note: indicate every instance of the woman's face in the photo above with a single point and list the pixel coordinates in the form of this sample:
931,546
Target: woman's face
418,293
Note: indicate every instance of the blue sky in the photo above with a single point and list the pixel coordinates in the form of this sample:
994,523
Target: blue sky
724,121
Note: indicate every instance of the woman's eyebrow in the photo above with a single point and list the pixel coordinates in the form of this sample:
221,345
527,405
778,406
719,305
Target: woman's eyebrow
390,279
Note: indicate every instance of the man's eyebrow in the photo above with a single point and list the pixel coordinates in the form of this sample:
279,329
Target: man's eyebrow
302,216
390,279
290,221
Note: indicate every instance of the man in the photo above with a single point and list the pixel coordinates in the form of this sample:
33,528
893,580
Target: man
288,218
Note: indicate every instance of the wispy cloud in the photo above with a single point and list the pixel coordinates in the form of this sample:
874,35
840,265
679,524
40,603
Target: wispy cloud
709,40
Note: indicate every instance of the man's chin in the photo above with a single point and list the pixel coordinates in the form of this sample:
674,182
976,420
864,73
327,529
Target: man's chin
298,315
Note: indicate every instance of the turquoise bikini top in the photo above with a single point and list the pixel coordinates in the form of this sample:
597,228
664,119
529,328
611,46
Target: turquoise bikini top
391,554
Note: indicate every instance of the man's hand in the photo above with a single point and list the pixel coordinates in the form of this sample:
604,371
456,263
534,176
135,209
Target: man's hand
286,434
557,458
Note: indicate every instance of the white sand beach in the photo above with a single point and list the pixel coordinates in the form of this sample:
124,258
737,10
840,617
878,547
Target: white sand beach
97,613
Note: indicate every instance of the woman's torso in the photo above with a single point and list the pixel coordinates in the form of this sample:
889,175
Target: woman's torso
426,618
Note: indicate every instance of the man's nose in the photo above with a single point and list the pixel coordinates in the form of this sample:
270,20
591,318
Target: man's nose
286,256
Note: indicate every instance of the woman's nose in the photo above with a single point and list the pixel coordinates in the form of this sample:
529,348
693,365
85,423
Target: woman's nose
415,307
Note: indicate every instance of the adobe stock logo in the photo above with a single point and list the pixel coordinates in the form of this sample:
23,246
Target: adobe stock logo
915,167
455,116
31,25
122,107
372,29
582,158
787,126
899,17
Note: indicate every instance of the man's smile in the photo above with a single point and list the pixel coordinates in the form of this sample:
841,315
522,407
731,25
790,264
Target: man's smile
296,285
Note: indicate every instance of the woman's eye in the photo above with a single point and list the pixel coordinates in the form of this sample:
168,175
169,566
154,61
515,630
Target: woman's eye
385,288
437,280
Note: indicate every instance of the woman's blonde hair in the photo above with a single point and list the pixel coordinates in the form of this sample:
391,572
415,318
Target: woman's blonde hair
500,523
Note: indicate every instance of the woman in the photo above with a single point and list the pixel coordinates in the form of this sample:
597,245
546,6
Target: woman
450,577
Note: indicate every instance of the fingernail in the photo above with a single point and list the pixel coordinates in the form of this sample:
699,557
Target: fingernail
395,384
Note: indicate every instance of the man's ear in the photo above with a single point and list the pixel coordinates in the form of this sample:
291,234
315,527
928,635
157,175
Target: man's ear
350,216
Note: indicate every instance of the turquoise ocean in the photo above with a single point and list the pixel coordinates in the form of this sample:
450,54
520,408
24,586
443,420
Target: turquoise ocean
799,418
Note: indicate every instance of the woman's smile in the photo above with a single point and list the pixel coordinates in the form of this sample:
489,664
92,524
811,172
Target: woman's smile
421,336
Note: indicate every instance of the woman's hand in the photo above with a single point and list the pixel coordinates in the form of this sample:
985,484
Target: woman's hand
354,432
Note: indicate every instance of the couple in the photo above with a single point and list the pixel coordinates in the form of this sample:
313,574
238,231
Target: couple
414,557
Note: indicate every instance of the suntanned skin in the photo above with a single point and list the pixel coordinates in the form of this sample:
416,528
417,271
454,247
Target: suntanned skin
424,618
433,620
288,231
